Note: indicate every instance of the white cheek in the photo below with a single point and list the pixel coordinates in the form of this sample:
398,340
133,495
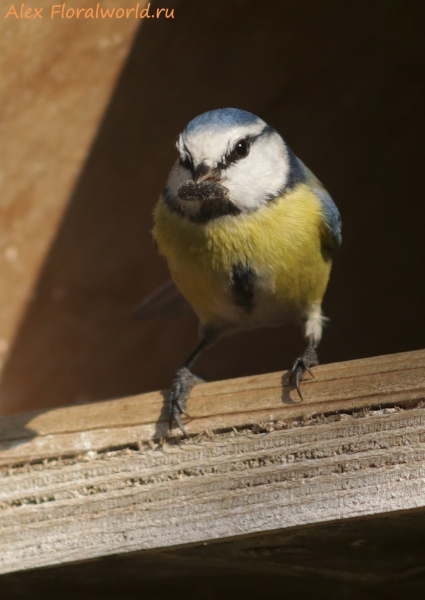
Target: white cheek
259,176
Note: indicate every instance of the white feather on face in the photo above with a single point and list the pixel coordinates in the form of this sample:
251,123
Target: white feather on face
251,180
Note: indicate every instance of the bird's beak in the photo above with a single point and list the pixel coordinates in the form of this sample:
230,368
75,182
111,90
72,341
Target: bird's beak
203,172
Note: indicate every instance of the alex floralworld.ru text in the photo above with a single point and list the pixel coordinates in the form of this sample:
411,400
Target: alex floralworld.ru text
60,11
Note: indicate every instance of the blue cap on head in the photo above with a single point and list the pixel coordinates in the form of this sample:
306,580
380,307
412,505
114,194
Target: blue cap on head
221,118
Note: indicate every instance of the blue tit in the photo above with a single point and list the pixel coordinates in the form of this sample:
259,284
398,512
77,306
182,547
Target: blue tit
248,232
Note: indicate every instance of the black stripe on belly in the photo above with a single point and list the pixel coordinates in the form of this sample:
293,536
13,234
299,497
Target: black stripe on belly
213,209
243,279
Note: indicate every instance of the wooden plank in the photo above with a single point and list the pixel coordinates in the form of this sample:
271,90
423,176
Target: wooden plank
93,480
56,78
346,386
367,558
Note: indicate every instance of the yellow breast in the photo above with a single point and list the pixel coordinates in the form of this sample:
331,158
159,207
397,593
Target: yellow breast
282,242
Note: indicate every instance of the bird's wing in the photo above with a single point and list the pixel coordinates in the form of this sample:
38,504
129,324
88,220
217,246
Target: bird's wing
330,210
332,216
166,302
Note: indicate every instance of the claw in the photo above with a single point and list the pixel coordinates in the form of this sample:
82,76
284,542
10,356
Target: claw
175,416
298,379
307,368
183,383
183,410
301,365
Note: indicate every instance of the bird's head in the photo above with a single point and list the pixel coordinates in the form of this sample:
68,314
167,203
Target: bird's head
241,160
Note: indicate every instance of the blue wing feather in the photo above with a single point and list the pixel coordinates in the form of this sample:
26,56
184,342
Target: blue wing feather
300,173
332,216
330,210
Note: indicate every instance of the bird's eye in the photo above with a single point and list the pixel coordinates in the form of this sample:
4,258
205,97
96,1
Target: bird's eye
241,149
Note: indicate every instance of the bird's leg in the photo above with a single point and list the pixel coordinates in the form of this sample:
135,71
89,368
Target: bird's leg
184,381
302,364
312,332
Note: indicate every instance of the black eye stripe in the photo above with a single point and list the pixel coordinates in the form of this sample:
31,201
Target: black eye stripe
187,161
232,156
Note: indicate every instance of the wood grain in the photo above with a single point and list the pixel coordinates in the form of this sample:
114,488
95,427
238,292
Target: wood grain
89,481
57,76
367,557
347,386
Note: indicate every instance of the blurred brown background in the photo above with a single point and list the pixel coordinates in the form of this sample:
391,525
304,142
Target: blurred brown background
343,83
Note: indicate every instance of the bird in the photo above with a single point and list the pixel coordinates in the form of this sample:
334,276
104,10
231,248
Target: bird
248,233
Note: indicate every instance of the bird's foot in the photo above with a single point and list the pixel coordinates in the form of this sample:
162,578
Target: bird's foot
301,365
184,381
